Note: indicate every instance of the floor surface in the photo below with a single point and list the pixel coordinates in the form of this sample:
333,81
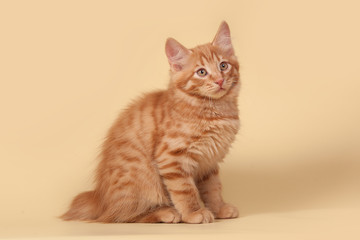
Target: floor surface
307,224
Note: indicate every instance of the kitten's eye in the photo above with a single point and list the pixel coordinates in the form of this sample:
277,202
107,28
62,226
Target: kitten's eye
201,72
223,66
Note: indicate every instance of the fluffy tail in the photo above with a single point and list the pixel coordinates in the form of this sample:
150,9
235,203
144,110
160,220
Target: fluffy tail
84,207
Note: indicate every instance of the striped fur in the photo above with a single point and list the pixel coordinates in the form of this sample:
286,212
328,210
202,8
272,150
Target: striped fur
160,158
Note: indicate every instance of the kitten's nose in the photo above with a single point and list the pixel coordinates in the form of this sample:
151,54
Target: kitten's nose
220,82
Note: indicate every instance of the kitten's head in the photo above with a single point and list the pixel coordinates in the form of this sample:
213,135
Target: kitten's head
207,71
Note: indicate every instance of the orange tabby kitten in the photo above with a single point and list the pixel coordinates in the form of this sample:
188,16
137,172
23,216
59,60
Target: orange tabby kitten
160,161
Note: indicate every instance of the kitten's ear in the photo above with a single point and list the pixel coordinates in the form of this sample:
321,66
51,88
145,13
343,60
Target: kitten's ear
223,40
177,54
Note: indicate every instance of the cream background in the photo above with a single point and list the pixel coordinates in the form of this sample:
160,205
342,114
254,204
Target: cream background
67,68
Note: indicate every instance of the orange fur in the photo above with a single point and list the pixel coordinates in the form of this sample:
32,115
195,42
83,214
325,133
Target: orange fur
160,158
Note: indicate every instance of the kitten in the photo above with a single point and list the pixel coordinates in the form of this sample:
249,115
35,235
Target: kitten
160,160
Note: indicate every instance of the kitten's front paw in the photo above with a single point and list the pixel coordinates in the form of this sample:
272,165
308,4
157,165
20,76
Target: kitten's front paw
203,215
228,211
169,215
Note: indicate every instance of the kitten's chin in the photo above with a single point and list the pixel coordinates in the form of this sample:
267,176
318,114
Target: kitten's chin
219,93
216,94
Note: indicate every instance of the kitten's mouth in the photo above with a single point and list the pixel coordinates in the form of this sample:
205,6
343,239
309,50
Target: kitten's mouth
219,92
221,89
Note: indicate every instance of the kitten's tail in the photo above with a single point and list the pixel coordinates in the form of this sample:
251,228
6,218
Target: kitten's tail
84,207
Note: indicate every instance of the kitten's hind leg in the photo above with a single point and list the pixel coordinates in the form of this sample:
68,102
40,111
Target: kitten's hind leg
160,215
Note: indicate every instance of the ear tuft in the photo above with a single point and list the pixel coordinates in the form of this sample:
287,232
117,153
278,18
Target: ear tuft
176,53
223,39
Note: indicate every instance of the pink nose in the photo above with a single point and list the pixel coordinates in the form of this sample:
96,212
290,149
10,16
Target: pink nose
220,82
